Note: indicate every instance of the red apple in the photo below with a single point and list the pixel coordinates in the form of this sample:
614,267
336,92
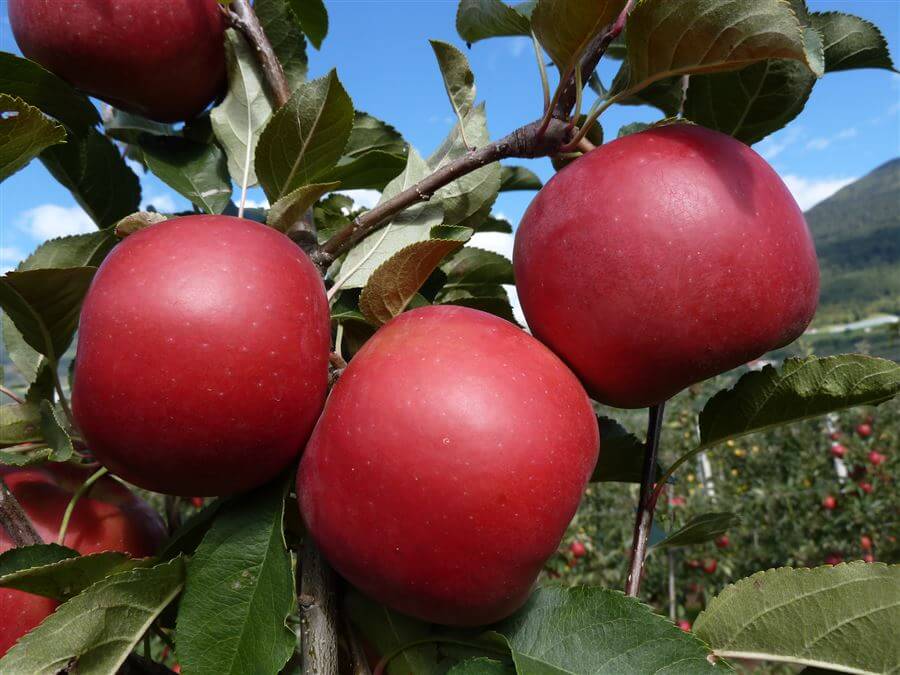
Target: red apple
838,450
450,457
108,518
577,548
163,59
684,625
661,259
723,541
864,430
866,542
866,487
710,566
677,501
876,458
834,435
693,564
868,557
834,559
202,357
829,503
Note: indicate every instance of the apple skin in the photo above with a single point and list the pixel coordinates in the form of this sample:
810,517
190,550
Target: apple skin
451,456
108,518
661,259
202,359
163,59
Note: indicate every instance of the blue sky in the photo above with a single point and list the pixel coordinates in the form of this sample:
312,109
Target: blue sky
380,48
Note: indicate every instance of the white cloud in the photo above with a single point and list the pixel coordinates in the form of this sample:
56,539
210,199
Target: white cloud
11,254
48,221
810,191
820,143
164,203
365,198
253,204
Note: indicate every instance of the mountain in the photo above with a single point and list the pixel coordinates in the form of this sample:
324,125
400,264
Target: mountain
857,237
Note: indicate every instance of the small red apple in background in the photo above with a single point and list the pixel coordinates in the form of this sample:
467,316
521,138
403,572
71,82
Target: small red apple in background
197,502
868,419
876,458
469,444
866,487
838,450
684,625
868,557
723,541
710,566
202,356
683,220
864,430
866,542
163,59
108,518
834,559
677,501
693,564
834,435
577,548
829,503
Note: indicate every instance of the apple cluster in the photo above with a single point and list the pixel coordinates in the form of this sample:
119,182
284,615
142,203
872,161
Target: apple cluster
449,457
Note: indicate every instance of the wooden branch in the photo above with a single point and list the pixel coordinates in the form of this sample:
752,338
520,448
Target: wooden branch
242,17
15,521
318,613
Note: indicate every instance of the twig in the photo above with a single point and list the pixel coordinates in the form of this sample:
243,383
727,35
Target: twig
646,502
242,17
173,512
8,392
318,613
70,507
14,520
523,142
359,665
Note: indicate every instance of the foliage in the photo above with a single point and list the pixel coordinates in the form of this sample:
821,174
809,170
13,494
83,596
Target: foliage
223,591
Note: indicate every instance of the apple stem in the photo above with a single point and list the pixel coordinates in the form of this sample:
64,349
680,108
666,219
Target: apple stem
79,493
14,519
359,665
12,395
646,502
242,17
318,613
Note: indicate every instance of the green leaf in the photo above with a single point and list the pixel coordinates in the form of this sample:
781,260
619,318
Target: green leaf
20,423
313,18
239,591
706,36
481,666
38,555
67,576
851,42
187,538
239,119
480,19
803,389
412,225
666,94
492,299
621,457
594,630
55,433
44,90
27,360
374,155
289,209
92,169
459,81
492,224
473,266
633,128
77,250
843,618
287,41
24,133
566,27
750,103
95,631
387,631
44,305
305,138
518,178
467,199
398,279
700,529
197,171
128,127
